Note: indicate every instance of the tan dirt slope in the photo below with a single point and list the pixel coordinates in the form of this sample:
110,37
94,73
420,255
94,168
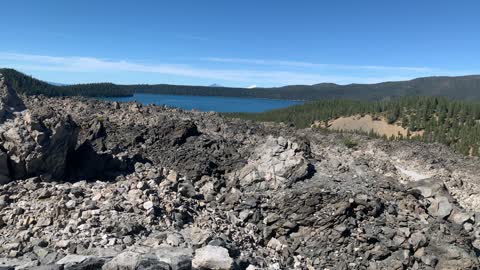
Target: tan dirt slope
367,123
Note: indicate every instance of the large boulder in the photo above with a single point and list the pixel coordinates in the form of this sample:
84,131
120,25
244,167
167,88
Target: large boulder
176,258
212,257
430,187
441,202
156,259
197,237
126,260
440,207
73,261
453,257
275,164
38,144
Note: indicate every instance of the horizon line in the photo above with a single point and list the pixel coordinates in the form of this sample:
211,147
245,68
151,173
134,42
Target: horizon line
60,84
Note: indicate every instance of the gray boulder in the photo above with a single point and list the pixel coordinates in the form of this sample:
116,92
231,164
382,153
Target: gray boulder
47,267
157,259
197,237
212,257
80,262
440,207
454,258
430,187
176,258
124,261
279,162
458,216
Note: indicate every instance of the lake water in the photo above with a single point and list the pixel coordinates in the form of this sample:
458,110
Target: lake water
208,103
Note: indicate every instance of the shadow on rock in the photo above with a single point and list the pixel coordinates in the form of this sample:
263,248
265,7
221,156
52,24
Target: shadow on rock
87,164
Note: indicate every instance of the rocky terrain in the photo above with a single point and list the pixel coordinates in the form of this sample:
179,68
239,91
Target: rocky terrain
88,184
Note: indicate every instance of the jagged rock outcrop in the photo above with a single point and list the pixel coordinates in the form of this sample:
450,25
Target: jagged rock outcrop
38,144
196,190
9,101
276,163
42,142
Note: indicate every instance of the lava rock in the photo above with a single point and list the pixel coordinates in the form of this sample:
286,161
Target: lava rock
212,257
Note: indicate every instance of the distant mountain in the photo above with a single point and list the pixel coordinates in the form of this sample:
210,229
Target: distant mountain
215,85
252,87
320,85
464,87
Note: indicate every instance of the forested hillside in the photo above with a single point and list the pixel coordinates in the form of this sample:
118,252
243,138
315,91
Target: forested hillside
455,123
462,88
465,87
30,86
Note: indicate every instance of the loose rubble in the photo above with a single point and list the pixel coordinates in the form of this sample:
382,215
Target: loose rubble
88,184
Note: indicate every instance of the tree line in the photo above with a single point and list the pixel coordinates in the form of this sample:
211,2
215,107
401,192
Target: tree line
452,122
30,86
462,88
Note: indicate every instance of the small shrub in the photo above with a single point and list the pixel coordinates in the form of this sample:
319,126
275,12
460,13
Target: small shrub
349,143
100,118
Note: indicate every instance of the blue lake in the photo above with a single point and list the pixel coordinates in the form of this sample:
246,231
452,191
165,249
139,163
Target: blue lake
208,103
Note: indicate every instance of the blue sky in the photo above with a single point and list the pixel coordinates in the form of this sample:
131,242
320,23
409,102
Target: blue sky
239,43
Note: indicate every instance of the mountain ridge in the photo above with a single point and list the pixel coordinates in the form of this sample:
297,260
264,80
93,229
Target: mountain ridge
457,87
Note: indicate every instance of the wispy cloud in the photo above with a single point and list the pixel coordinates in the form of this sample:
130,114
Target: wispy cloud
91,64
281,63
278,75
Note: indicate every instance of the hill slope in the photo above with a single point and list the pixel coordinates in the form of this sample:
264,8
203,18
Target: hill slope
30,86
466,87
455,123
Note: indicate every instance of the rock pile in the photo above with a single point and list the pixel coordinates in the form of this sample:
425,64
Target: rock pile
125,186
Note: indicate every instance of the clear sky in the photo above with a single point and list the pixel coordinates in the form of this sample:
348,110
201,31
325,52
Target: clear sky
239,43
